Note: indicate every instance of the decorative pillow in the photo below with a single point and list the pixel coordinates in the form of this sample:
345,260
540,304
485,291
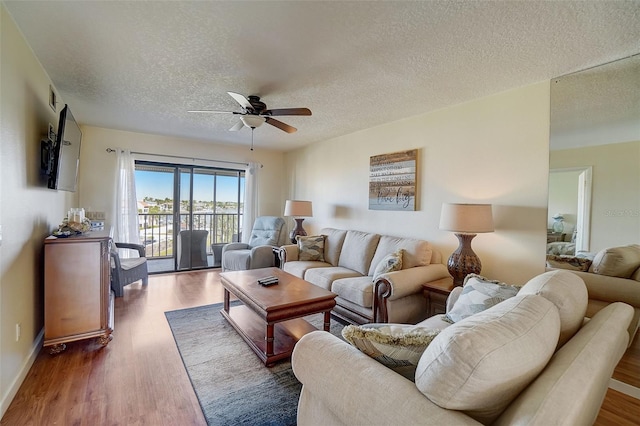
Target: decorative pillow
311,248
617,261
389,263
481,364
568,262
397,346
568,292
478,294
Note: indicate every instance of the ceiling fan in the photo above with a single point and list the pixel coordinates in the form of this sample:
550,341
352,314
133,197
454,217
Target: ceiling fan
254,113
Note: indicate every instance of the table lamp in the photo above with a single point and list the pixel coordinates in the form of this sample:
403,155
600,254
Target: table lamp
299,210
465,220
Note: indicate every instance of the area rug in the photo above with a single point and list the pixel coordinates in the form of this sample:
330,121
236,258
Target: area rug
231,383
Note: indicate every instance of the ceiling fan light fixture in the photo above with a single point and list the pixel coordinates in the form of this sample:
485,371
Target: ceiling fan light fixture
252,121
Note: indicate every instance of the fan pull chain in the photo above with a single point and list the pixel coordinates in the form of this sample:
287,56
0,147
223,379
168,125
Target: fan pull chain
252,129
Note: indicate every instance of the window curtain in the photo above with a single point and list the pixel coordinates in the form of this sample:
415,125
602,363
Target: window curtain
126,223
250,200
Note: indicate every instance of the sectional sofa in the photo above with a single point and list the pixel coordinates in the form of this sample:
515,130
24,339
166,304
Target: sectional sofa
532,359
345,262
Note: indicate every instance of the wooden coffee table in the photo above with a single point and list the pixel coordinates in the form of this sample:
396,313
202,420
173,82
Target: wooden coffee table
270,318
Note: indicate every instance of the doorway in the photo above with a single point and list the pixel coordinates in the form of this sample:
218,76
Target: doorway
187,213
570,196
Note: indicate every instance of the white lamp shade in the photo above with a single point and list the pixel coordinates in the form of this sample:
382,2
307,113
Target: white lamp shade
466,218
252,121
298,208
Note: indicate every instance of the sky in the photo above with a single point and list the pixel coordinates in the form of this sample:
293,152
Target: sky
160,185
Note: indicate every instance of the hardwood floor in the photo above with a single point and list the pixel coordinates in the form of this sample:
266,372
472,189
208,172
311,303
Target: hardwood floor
139,378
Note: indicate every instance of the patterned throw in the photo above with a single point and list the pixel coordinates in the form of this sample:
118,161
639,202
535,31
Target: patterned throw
389,263
311,248
478,294
397,346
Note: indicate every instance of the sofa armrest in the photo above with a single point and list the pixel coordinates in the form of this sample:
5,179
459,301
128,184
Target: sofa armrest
409,281
288,253
398,284
338,378
611,289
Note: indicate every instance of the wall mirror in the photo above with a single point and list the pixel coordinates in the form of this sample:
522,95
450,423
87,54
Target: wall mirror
594,159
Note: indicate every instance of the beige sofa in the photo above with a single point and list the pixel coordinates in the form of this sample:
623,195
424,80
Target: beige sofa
349,261
612,276
457,383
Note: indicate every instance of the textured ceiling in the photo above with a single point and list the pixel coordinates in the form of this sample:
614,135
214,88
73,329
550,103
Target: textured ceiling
140,66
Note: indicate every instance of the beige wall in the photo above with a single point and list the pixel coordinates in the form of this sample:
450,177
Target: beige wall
563,199
28,210
97,167
615,207
492,150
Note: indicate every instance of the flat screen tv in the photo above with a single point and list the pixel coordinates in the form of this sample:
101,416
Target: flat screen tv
60,158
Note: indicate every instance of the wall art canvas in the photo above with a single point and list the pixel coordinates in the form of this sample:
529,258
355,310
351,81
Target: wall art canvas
392,181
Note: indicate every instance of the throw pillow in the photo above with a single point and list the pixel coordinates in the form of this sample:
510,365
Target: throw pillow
617,261
568,292
568,262
478,294
397,346
391,262
311,248
481,364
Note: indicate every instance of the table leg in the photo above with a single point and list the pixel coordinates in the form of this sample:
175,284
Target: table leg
270,339
226,300
327,321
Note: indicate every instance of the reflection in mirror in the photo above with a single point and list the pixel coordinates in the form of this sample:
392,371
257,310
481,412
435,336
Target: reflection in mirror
595,125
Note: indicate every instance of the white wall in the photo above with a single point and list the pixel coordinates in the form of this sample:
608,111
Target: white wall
492,150
563,199
28,210
97,167
615,205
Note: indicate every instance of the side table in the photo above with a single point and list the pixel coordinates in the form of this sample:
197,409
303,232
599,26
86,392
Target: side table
436,293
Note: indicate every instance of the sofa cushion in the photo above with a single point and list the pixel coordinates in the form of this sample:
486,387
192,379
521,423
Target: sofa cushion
617,261
324,277
358,290
568,292
299,268
311,248
397,346
334,238
478,294
416,252
568,262
389,263
357,251
480,364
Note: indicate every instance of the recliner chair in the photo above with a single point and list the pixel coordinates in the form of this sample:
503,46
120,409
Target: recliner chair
267,232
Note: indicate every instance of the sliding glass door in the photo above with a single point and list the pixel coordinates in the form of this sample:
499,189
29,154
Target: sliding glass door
187,213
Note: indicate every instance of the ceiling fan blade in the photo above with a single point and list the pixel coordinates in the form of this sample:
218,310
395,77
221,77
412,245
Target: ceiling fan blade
244,102
280,125
215,112
237,126
287,111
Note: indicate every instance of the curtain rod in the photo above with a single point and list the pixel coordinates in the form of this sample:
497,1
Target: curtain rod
186,158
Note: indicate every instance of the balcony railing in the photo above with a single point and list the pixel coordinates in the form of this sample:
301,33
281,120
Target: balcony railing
156,230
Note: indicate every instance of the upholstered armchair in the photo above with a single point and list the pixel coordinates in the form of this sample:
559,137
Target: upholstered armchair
268,232
125,271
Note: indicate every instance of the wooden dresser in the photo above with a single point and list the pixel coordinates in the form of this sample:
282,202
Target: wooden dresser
78,302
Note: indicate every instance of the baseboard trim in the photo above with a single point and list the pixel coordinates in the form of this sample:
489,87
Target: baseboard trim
625,388
26,366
